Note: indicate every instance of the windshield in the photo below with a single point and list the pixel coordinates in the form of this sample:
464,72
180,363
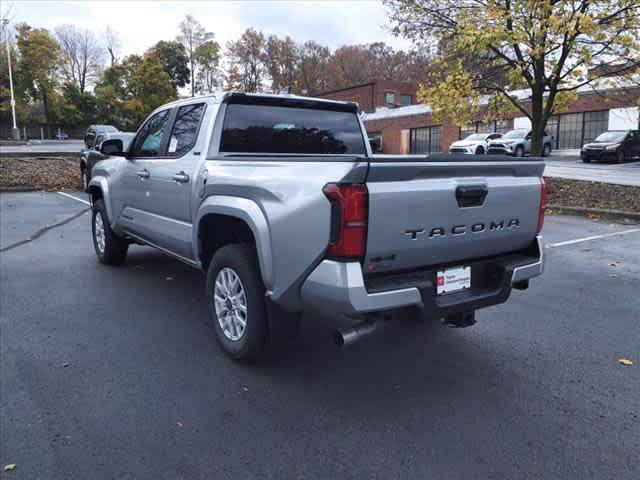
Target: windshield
515,134
477,136
611,137
275,129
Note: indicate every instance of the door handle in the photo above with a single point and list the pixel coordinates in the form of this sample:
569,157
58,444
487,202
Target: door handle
181,177
143,173
471,195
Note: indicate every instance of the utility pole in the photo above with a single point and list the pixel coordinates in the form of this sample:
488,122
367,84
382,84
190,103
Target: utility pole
15,133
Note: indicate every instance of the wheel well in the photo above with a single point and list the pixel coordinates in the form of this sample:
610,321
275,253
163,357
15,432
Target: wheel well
95,193
216,231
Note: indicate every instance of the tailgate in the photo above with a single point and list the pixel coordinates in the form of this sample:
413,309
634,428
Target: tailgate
424,213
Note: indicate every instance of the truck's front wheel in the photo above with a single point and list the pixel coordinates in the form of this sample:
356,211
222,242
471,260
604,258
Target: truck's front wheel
237,302
109,247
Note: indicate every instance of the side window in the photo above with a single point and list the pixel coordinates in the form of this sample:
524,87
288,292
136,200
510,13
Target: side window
389,98
150,139
185,129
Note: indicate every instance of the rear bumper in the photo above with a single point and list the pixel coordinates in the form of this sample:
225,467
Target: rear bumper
336,288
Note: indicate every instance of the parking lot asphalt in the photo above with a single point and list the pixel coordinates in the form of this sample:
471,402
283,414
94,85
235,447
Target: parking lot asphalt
627,173
115,373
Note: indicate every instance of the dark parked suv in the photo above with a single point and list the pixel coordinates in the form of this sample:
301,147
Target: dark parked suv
96,130
617,145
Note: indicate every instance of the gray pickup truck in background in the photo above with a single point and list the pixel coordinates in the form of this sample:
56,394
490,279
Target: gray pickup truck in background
280,201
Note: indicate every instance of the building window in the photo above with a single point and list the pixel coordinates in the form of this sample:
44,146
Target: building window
375,140
572,130
594,124
390,98
499,126
426,140
405,99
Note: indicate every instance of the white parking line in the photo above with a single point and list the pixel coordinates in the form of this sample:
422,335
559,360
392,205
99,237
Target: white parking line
595,237
75,198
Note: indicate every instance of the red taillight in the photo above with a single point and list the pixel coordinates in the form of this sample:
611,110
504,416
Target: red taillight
348,219
543,203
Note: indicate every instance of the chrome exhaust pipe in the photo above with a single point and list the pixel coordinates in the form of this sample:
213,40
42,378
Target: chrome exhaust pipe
348,336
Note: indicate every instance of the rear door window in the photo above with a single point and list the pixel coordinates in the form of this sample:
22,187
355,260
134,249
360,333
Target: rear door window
185,129
293,130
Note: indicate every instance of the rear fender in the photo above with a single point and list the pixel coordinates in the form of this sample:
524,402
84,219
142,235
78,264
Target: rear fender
249,212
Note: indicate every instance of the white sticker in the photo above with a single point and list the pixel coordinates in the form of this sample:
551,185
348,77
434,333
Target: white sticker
173,145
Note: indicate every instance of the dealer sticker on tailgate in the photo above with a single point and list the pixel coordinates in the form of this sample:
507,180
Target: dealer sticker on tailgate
452,280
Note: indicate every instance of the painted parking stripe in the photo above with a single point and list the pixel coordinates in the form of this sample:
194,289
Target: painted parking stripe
75,198
595,237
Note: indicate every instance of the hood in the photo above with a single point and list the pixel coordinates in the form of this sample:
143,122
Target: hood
466,143
600,145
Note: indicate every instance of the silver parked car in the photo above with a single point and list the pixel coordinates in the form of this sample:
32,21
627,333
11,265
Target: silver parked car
517,142
278,199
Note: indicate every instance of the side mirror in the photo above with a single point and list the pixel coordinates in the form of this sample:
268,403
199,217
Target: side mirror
112,147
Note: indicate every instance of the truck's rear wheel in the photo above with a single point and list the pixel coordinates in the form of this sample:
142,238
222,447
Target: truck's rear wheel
237,302
110,248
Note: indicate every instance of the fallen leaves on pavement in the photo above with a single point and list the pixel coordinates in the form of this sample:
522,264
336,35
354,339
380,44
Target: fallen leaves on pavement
9,466
40,173
581,194
625,362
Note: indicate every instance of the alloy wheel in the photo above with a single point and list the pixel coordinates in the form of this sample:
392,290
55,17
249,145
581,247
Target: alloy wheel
99,232
230,301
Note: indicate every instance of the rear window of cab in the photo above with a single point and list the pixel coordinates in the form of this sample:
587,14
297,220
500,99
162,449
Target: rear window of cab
290,130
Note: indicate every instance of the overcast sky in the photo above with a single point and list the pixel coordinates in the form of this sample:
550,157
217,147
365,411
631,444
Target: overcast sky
139,24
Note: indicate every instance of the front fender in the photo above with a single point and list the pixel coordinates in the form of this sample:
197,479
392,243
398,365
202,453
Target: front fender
248,211
103,185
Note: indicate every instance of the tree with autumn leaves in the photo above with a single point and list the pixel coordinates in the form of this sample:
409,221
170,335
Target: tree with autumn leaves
488,48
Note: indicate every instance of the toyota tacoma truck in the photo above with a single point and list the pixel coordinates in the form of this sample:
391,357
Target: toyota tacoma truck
278,199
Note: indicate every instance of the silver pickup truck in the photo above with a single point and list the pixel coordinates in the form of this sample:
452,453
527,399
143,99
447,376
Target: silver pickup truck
280,201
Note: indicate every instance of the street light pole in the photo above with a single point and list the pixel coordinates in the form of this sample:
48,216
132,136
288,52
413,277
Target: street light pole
15,133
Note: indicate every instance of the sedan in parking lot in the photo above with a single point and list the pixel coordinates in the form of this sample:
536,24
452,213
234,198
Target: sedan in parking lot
476,143
617,145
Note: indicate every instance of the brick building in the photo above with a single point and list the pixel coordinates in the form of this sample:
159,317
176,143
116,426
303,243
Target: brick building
397,125
376,94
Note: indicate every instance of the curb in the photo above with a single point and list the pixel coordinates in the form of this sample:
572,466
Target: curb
37,155
596,211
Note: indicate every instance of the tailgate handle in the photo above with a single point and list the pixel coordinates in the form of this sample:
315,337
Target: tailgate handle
471,195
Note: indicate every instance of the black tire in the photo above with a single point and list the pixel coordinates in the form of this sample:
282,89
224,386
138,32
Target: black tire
479,151
586,160
242,260
115,248
519,151
86,178
620,156
546,150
